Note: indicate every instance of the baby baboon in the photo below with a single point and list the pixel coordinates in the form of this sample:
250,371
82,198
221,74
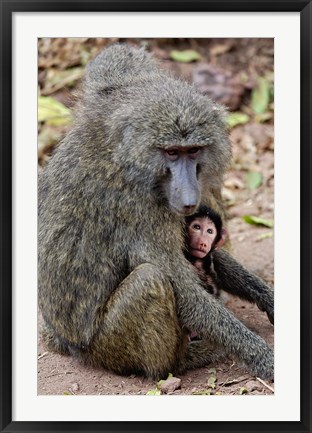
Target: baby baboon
114,286
204,233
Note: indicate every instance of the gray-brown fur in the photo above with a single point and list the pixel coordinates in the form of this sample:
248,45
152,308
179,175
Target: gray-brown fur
114,286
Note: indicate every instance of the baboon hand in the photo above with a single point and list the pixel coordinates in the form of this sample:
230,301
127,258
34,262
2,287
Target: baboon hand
263,367
269,309
270,314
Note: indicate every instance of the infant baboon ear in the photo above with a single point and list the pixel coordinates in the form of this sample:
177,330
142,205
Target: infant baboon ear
224,235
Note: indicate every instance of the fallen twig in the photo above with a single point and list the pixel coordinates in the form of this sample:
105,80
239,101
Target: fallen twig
59,373
44,354
265,384
231,382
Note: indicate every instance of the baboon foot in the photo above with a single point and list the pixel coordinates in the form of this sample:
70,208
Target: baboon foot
200,353
52,342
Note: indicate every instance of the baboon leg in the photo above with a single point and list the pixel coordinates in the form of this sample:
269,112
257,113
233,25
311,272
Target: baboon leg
235,279
139,330
199,354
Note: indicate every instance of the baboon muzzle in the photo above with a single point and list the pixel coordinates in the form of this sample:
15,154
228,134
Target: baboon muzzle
184,187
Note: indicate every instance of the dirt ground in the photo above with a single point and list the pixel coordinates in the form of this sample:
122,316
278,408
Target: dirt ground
252,245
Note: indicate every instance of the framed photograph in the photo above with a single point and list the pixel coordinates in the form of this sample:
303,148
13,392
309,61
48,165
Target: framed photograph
272,41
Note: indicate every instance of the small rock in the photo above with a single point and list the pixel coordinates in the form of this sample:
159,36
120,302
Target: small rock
253,385
170,385
74,387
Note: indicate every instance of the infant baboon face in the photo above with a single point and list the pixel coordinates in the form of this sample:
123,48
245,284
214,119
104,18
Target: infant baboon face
201,234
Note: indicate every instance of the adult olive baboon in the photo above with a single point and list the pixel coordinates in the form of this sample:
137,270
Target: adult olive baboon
114,286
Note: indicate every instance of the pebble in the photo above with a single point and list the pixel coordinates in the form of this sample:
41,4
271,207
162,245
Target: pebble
170,385
74,387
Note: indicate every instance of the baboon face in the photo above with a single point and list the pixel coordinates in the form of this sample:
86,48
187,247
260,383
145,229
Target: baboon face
170,141
174,162
183,189
201,235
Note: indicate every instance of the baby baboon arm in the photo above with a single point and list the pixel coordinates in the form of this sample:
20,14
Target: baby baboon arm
235,279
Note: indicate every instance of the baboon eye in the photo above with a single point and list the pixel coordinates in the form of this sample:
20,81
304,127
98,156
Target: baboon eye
193,150
196,226
210,231
171,152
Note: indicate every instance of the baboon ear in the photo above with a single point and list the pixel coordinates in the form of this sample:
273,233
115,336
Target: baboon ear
224,235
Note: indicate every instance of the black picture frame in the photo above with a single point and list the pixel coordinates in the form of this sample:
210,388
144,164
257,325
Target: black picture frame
7,9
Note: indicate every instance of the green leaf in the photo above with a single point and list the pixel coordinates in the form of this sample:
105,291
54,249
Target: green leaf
186,56
160,382
202,392
253,179
212,382
237,118
264,117
154,392
253,220
53,112
264,236
56,79
260,96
